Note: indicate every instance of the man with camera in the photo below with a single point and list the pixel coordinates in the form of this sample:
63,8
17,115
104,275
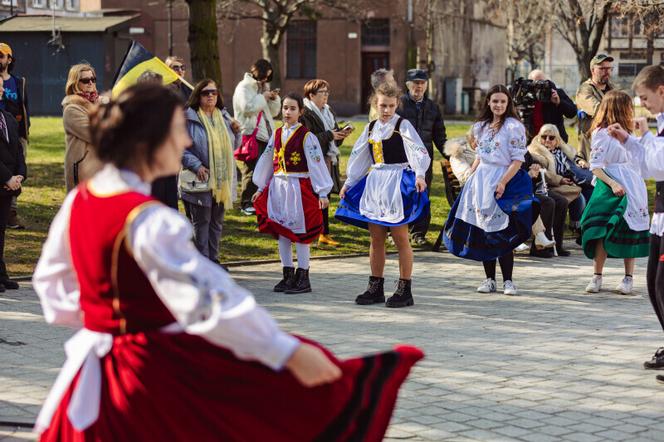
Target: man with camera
553,111
588,97
427,119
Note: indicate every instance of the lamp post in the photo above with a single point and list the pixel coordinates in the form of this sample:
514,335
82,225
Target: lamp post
169,4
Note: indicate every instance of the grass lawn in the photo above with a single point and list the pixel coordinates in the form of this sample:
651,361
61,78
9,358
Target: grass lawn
44,192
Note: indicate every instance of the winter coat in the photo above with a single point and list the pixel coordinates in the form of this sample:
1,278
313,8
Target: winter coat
81,162
199,154
427,120
248,101
542,156
12,161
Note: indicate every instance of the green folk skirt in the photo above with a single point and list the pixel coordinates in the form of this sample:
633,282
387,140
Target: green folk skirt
603,221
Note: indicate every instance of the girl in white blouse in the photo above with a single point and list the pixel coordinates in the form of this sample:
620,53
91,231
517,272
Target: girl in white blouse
615,222
293,183
494,212
385,190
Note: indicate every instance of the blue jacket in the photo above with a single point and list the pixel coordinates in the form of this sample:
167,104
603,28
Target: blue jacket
198,154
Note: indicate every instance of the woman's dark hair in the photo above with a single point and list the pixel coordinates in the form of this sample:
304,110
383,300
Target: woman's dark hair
130,129
260,69
194,101
486,116
295,96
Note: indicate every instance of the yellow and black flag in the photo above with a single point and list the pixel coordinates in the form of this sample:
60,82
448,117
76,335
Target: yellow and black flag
137,61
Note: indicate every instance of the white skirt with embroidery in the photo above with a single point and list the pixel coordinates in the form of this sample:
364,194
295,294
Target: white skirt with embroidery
636,213
284,202
477,204
381,199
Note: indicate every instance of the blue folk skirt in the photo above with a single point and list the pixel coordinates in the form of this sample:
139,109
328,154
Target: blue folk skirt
470,242
415,204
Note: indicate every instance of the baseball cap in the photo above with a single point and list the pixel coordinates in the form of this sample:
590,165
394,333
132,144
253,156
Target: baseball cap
597,59
5,49
416,74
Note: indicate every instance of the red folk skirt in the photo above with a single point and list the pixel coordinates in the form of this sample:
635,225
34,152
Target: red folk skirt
164,387
313,217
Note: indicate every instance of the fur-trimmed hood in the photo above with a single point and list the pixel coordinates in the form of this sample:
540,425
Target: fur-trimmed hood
539,151
456,147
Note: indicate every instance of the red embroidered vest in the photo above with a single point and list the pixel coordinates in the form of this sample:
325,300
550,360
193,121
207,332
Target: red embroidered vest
290,158
116,296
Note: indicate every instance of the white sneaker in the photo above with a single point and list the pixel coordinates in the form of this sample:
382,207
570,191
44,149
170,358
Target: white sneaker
488,286
595,284
625,286
521,247
541,241
509,288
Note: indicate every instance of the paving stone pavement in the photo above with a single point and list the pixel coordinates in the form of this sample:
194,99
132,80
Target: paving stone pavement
552,364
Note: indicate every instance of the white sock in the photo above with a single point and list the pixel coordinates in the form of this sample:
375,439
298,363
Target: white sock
285,251
302,255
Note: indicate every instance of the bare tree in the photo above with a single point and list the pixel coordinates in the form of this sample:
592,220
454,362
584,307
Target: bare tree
649,13
526,25
277,15
581,23
203,40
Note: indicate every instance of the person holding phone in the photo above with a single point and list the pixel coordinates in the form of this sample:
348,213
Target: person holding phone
319,118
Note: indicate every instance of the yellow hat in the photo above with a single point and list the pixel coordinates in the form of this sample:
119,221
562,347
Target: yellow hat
5,49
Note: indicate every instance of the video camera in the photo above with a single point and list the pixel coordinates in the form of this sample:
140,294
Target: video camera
525,93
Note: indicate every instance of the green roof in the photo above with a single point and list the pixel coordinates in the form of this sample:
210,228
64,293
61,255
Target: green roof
43,23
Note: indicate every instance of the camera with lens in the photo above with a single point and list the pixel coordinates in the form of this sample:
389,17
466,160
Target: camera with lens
525,93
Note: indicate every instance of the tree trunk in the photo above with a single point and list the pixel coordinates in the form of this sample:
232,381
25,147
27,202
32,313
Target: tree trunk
583,62
650,49
203,42
271,53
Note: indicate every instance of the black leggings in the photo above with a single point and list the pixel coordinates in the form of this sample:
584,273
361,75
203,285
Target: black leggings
506,266
326,220
655,276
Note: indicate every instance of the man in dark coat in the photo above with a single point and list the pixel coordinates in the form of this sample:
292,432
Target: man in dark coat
427,119
12,173
561,106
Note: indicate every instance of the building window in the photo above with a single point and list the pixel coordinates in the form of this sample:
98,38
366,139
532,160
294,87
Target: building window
301,49
630,69
38,3
625,27
71,5
56,4
10,2
376,32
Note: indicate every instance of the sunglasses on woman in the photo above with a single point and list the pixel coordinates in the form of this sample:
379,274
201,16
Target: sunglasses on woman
178,67
88,80
209,93
548,137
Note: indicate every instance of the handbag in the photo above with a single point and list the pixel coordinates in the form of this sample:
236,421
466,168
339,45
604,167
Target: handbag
248,150
189,182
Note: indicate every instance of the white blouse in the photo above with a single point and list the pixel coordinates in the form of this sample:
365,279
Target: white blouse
502,147
318,172
202,297
361,160
625,164
654,167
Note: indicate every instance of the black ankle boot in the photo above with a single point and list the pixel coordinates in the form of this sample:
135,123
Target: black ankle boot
302,284
374,293
402,296
288,280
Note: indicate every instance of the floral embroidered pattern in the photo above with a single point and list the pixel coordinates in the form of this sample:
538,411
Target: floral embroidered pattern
295,158
314,154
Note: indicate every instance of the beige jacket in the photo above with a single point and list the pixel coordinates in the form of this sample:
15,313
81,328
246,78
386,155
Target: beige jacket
542,156
80,160
588,98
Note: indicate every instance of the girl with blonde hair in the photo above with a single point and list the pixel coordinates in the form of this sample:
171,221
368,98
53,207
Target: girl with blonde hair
615,223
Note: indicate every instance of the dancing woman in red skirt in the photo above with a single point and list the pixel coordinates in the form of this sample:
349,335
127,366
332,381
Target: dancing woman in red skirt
169,347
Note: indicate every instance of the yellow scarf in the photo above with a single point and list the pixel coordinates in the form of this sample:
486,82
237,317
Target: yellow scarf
220,153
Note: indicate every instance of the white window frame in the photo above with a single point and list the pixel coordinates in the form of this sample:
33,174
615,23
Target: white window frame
38,3
57,4
10,2
71,5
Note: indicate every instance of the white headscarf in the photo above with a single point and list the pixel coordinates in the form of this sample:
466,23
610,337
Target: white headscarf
327,118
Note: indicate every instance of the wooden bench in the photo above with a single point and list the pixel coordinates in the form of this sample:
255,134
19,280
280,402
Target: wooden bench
452,191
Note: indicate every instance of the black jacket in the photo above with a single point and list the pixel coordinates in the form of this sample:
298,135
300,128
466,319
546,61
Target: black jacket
19,109
12,161
428,122
555,114
312,122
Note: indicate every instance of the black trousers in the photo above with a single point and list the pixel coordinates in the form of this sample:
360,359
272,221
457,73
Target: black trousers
421,226
166,190
655,276
553,210
5,205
